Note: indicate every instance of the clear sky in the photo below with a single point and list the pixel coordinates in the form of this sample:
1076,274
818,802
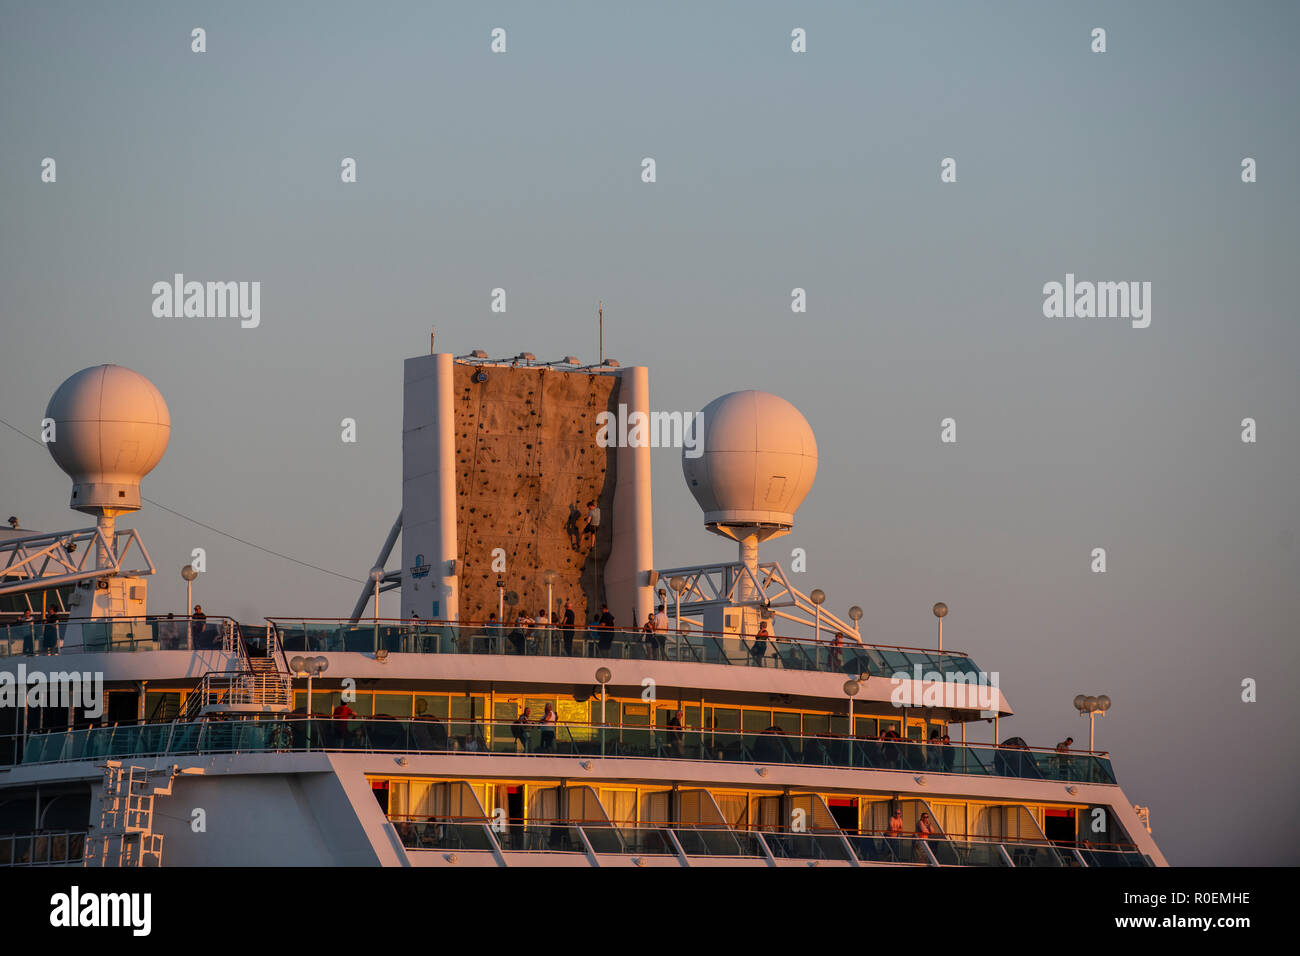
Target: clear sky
775,170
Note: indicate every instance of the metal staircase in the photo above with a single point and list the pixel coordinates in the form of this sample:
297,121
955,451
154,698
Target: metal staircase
256,686
125,834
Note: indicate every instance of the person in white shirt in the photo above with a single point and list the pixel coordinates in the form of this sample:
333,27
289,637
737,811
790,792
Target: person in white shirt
661,629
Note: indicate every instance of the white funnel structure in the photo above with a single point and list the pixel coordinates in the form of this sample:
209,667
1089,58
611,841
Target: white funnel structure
758,464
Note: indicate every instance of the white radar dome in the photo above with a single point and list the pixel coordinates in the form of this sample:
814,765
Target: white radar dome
758,463
111,427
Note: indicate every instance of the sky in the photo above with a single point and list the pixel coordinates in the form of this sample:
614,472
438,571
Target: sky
775,170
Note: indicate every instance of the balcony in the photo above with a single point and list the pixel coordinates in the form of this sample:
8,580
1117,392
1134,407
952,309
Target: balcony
385,735
803,654
596,839
116,635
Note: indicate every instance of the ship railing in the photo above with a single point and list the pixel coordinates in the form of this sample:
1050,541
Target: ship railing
297,732
703,839
133,634
43,848
118,634
239,688
326,635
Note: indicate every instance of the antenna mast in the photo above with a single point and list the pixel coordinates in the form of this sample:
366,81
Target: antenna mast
601,311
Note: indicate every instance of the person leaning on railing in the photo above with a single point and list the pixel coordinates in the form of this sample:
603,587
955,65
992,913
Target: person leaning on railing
924,830
27,628
605,630
676,727
1063,762
49,633
342,714
519,636
648,637
491,630
198,623
520,729
759,648
566,627
548,722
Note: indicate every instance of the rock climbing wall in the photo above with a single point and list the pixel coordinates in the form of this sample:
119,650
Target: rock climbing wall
527,464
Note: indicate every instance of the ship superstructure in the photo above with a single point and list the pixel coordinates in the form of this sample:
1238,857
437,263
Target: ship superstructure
662,721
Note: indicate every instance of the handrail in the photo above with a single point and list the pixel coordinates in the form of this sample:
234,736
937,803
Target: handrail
763,828
276,732
629,837
407,623
105,636
33,841
331,635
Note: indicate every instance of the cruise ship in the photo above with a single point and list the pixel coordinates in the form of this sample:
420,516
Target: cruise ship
546,695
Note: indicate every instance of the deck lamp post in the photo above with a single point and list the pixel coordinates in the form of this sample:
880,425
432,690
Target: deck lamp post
678,584
603,677
189,574
309,667
549,577
1092,706
855,615
818,597
376,575
940,611
851,688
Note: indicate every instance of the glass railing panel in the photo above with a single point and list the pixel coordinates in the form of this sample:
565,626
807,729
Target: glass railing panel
951,665
220,736
879,848
961,853
435,833
1029,854
1114,858
153,739
388,734
929,664
851,659
537,836
185,738
608,838
649,840
806,846
893,662
33,750
98,743
718,841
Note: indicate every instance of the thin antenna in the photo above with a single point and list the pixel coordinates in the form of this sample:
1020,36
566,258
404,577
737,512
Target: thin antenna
431,333
602,334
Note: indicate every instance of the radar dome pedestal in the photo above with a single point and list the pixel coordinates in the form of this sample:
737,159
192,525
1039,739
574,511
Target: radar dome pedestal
757,463
111,427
